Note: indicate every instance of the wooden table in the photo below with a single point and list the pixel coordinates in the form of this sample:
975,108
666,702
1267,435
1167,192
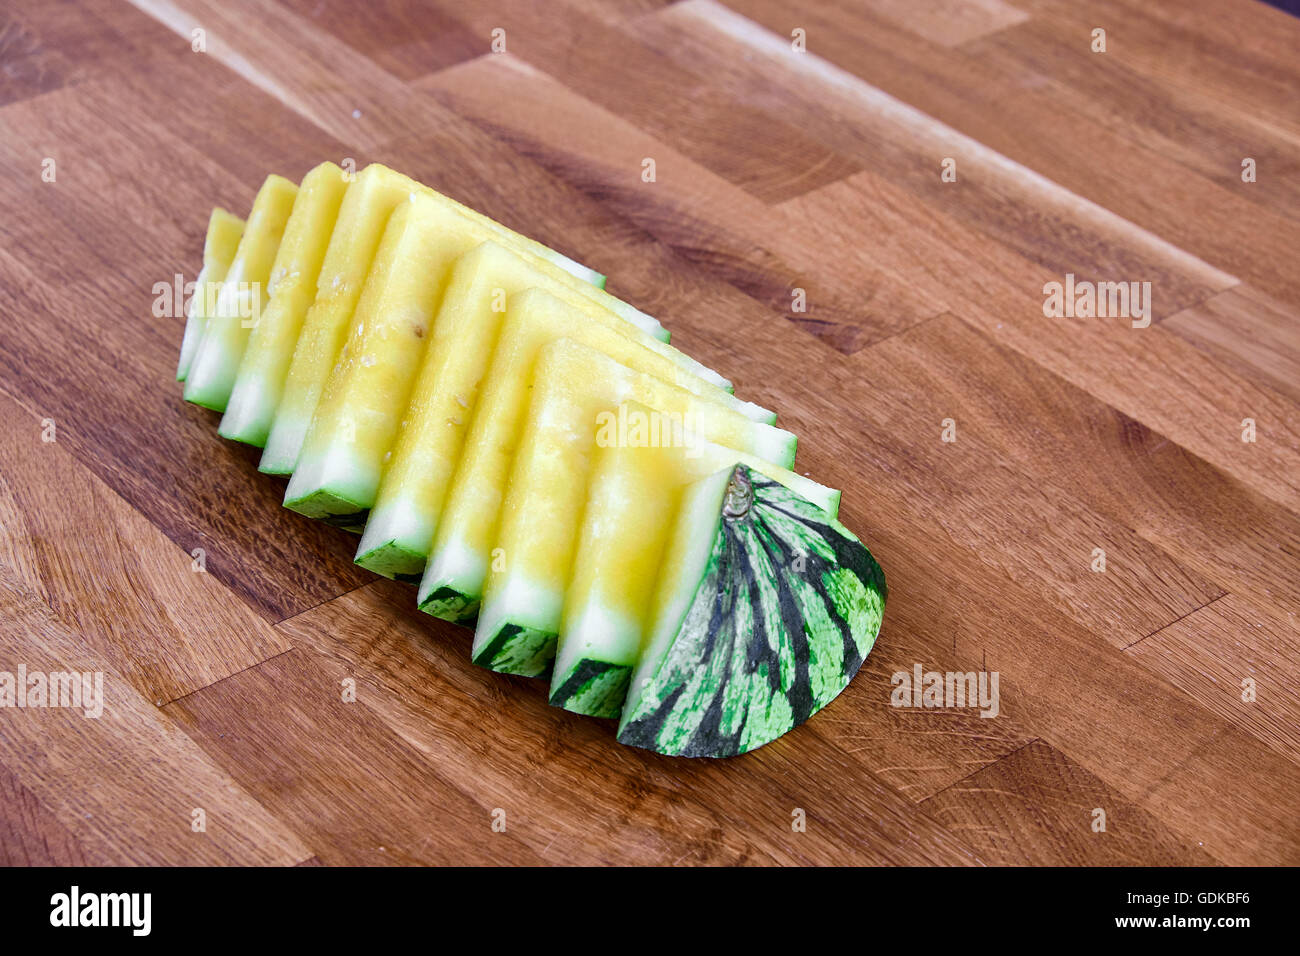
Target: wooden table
1162,691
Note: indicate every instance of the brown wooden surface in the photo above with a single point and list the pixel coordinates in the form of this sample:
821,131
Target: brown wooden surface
775,170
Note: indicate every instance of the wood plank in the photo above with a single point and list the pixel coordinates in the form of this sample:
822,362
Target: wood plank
760,249
29,834
1195,791
329,767
104,178
1041,425
1241,53
317,76
132,595
123,785
30,68
949,22
976,97
615,11
681,106
1018,518
859,818
1211,653
1037,807
1179,120
406,38
1248,332
646,807
918,752
256,134
46,47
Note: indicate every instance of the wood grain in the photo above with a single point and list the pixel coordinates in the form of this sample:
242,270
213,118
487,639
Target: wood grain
731,235
1162,689
646,808
1248,332
1240,662
125,784
1137,181
363,797
30,835
675,103
1038,808
133,596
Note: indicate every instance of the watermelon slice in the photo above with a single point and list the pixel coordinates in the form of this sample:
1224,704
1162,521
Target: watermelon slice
575,390
219,247
366,395
632,497
765,608
362,219
358,229
245,291
357,420
482,298
534,453
260,379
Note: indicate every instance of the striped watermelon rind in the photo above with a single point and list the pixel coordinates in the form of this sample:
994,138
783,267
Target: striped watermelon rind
786,610
593,688
449,604
517,649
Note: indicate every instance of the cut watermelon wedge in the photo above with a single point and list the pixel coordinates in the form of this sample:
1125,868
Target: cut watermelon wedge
260,379
532,452
763,611
219,248
633,495
576,390
491,290
363,214
245,291
366,396
362,219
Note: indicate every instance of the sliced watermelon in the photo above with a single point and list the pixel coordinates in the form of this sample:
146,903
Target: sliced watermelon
486,293
366,396
631,499
531,451
245,291
575,390
362,218
259,382
764,610
219,248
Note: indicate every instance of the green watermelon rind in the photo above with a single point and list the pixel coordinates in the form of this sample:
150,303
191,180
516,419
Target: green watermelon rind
449,604
393,560
520,650
729,682
593,688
